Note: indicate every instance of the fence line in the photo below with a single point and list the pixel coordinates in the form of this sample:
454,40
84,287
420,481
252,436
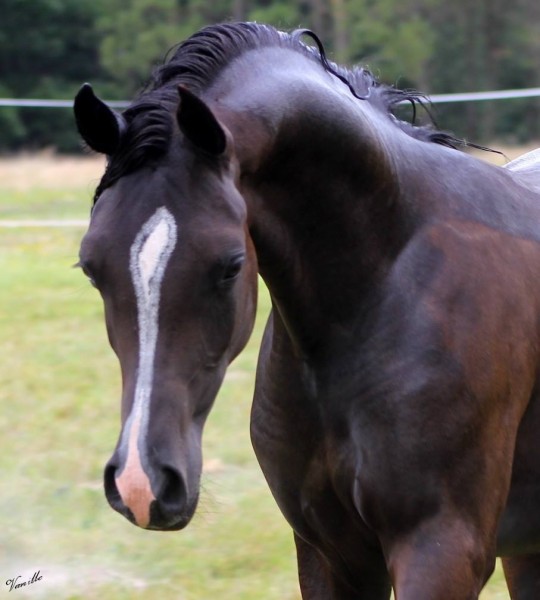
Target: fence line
41,103
479,96
434,99
22,223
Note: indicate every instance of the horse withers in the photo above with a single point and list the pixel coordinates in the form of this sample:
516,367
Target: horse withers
396,411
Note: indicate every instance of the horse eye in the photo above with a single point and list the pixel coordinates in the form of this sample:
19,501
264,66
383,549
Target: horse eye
232,269
89,276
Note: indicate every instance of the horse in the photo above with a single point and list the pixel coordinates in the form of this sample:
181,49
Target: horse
396,409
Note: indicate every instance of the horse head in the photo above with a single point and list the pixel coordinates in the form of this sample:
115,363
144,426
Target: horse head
169,251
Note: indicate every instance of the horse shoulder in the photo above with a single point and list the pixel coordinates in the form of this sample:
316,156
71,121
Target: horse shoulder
474,289
426,422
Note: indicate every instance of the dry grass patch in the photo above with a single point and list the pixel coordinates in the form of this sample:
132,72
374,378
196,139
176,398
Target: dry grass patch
48,171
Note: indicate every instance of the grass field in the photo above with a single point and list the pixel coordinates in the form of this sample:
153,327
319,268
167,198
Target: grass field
59,392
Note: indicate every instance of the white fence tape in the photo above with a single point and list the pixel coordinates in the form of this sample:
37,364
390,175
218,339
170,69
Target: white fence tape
37,103
435,99
22,223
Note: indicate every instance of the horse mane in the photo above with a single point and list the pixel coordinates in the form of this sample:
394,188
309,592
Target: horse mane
197,62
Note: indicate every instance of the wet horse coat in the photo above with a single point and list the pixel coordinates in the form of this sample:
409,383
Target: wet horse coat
396,411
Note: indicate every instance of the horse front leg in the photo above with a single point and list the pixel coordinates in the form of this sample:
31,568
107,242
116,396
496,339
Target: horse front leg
319,582
522,575
443,559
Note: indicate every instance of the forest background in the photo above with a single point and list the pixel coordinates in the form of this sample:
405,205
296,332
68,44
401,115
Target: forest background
49,47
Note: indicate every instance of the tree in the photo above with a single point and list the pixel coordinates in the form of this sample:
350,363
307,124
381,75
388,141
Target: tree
47,48
136,33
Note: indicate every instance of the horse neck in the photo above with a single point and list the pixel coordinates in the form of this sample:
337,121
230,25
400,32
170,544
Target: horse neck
323,202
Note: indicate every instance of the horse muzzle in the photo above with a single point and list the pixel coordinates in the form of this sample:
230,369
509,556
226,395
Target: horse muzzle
159,502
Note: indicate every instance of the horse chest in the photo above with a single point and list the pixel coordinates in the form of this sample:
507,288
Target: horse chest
310,478
313,487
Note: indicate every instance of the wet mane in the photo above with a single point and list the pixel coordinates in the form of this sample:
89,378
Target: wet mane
197,62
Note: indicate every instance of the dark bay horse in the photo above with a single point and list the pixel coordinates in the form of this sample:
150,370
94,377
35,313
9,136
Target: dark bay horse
396,414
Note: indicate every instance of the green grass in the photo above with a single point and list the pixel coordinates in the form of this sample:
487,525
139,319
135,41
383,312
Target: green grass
59,392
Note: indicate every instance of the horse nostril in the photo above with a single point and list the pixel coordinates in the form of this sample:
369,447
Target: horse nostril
173,491
111,490
172,510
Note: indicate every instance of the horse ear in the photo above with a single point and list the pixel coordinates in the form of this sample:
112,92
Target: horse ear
198,123
100,127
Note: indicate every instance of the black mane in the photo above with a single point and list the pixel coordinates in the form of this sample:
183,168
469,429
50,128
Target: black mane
197,62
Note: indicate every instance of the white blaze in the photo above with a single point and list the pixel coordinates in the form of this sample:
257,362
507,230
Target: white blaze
149,256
